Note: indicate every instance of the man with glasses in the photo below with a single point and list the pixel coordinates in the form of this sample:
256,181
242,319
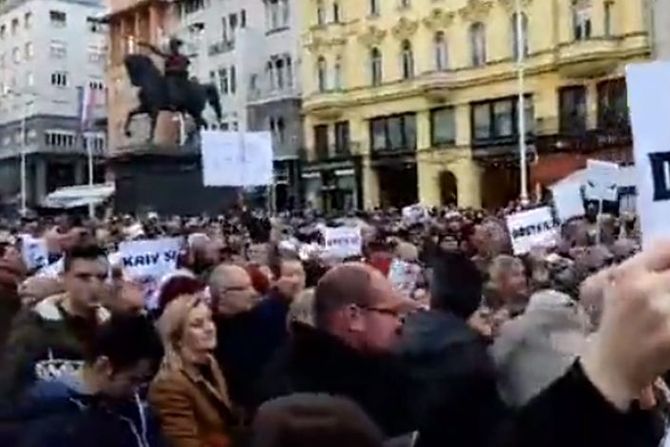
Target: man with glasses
49,339
359,320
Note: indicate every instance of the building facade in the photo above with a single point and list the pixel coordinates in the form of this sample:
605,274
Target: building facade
49,51
416,100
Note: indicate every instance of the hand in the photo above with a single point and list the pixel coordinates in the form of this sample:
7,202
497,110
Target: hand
632,346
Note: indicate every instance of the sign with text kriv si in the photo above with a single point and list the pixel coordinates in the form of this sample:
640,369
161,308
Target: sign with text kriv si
568,201
532,228
34,251
236,159
601,181
147,261
649,106
342,242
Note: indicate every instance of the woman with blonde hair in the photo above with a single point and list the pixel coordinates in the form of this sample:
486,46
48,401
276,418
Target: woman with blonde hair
189,393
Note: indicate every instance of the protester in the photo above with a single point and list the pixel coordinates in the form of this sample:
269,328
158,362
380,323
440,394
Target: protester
52,337
189,393
98,404
508,285
12,273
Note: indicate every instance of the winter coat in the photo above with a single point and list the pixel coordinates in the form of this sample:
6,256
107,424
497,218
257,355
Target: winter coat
247,342
313,361
194,411
44,343
59,414
452,380
538,347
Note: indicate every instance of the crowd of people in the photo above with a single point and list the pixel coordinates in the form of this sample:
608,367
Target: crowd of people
259,337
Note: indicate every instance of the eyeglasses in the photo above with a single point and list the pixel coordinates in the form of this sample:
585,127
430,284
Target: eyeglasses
383,311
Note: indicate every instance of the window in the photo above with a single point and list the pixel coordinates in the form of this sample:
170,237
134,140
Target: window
581,19
376,70
276,14
442,126
270,72
232,23
515,35
59,79
57,49
407,60
28,49
28,20
337,73
609,6
440,51
15,26
279,64
58,19
95,54
478,44
405,4
243,19
286,12
278,130
30,79
223,81
321,141
342,138
16,55
322,74
393,133
497,119
96,85
572,109
224,30
59,138
3,31
612,105
374,7
320,12
233,80
336,11
289,71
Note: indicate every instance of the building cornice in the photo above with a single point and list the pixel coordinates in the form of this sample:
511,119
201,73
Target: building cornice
404,28
476,10
439,19
372,36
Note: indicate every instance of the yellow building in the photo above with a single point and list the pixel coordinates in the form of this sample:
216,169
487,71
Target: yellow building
408,100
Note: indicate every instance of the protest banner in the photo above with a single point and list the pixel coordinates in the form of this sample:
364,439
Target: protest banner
342,242
147,261
404,276
34,251
236,159
601,181
532,228
414,214
568,201
649,105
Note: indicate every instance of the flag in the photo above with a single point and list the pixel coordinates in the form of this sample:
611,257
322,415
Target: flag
86,106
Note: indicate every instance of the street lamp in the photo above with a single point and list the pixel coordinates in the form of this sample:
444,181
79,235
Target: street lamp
521,109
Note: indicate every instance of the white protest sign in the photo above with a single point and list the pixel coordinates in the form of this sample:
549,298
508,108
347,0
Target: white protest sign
649,105
414,214
568,201
234,159
147,261
404,276
342,242
601,181
34,251
533,228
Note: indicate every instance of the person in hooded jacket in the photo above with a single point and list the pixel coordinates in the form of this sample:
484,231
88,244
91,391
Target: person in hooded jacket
453,379
99,404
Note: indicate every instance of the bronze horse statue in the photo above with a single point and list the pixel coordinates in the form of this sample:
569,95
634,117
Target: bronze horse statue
153,94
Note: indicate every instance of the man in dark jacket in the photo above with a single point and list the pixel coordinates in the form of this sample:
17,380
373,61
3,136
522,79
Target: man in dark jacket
12,272
99,404
453,380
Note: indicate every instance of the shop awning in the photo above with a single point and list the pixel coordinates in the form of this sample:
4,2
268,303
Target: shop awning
80,195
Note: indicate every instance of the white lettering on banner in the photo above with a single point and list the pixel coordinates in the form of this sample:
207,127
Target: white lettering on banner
342,242
533,228
568,201
34,251
649,105
147,261
601,181
234,159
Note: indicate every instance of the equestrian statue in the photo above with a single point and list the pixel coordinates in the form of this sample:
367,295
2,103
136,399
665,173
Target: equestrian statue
173,91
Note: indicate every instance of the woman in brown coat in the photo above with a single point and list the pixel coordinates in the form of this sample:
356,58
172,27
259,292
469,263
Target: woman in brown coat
189,393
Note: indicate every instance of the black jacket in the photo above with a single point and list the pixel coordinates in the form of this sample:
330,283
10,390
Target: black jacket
453,381
316,362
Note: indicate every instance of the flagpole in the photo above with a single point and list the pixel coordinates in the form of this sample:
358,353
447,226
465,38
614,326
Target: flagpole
521,109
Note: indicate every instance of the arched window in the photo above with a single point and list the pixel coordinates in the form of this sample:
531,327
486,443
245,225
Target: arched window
289,71
322,74
478,44
581,19
320,12
336,12
407,60
337,73
515,36
376,71
440,51
279,66
270,73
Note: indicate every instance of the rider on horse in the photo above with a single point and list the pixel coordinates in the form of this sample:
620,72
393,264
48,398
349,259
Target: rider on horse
176,70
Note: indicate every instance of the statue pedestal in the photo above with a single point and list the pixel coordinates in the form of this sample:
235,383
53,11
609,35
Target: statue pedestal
167,129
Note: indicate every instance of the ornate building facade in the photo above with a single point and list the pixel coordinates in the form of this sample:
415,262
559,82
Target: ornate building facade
416,100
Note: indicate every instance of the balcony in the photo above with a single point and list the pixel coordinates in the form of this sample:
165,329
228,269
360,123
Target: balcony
588,58
335,152
223,46
327,105
437,85
554,136
267,94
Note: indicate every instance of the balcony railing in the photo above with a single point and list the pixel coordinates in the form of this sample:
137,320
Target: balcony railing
335,151
223,46
269,94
